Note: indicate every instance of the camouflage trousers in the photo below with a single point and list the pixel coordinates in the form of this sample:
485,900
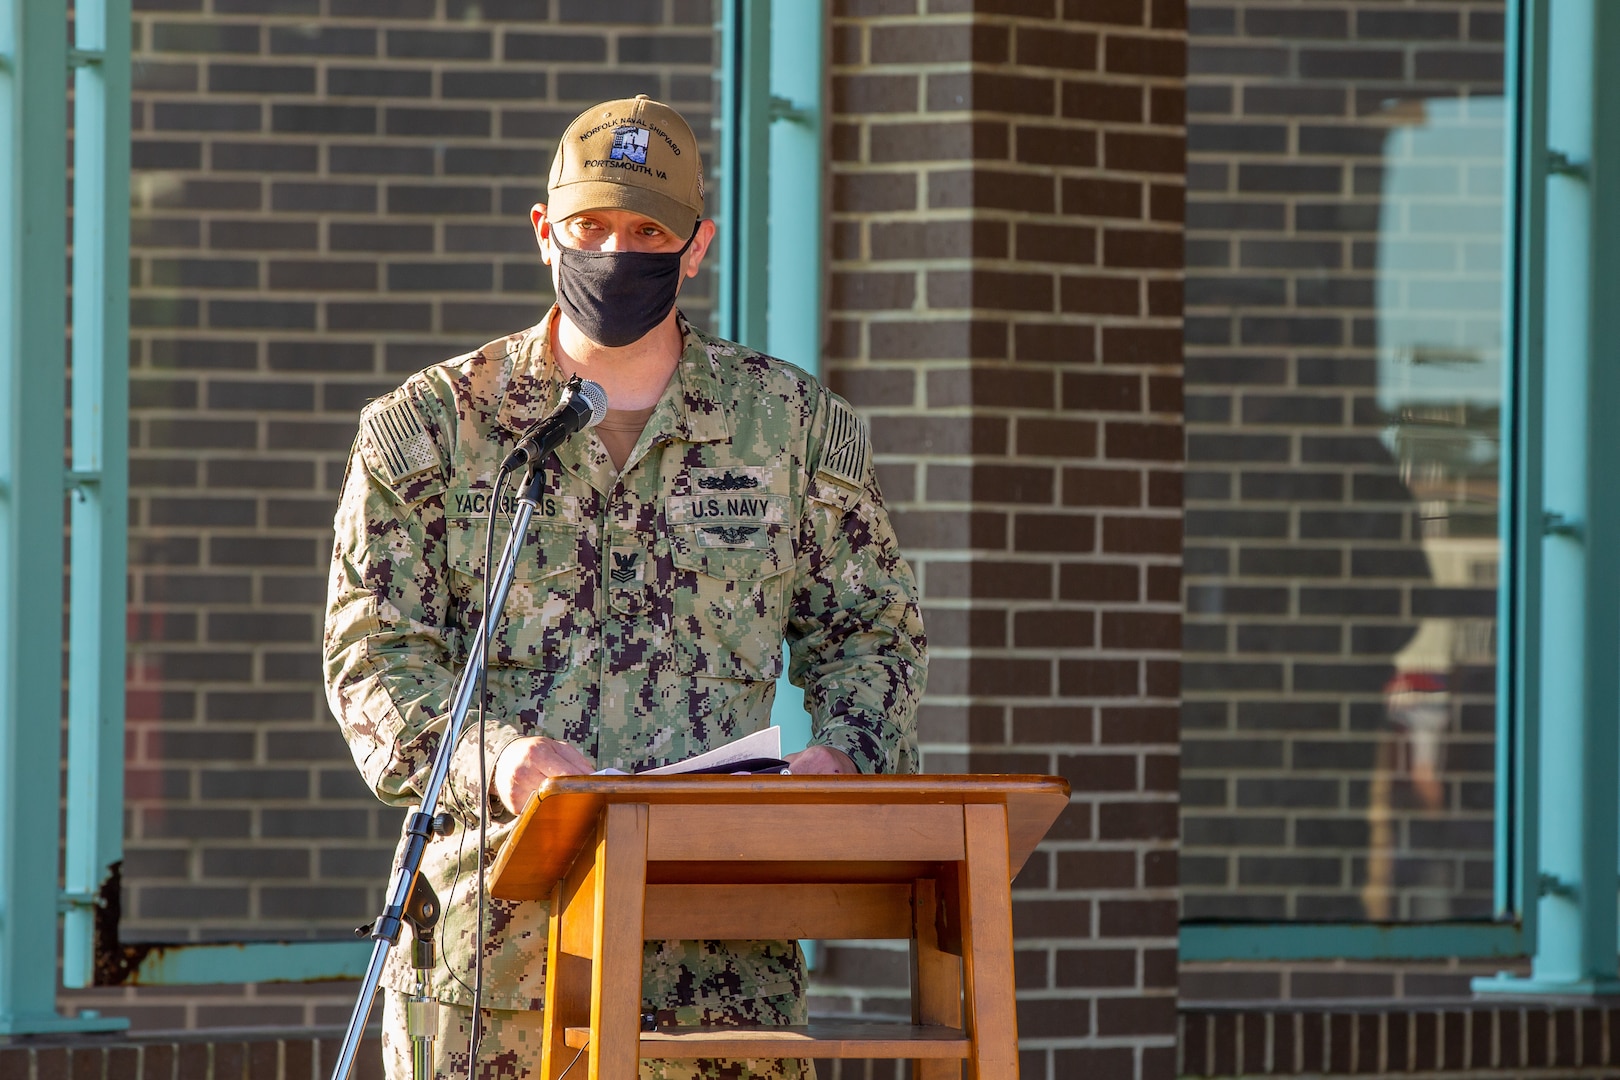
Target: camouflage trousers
686,983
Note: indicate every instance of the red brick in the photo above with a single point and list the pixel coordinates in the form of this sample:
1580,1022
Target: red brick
1056,533
1067,724
1143,248
992,92
876,94
1137,918
923,530
938,240
983,578
971,140
873,291
1141,345
1130,151
1064,438
1161,56
994,290
1051,918
875,386
1054,629
1053,1018
1069,244
1091,774
1099,582
992,188
1137,821
1140,725
1100,392
952,628
939,43
898,434
1164,582
990,387
993,677
1095,295
1042,46
1163,678
1167,106
1124,441
990,483
1167,202
938,339
1102,487
1093,967
1141,630
1061,343
1096,1063
1108,102
1051,144
1169,15
1099,678
1088,197
844,142
874,192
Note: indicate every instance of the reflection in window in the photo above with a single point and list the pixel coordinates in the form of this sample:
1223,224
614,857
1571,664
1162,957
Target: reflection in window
1344,382
1439,393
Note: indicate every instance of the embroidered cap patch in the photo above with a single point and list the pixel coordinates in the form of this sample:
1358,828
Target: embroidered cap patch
401,440
629,144
843,456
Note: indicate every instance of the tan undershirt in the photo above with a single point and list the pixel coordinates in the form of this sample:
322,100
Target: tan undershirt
620,429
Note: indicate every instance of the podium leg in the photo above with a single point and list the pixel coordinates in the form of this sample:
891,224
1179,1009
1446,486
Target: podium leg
987,945
569,941
936,980
620,902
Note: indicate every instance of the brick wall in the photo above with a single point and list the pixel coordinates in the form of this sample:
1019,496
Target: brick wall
1005,300
331,195
327,195
303,1055
1332,545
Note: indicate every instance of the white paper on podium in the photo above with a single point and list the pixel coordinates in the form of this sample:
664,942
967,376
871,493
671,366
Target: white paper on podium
765,743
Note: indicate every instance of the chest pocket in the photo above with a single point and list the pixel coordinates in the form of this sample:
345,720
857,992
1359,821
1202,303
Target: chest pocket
544,609
729,596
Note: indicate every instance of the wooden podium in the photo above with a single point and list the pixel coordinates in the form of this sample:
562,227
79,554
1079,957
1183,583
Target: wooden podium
625,859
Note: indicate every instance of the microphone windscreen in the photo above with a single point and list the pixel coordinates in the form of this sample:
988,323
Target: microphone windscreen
596,398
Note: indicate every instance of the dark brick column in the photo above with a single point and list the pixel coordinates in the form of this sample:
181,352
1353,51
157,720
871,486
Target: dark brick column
1006,308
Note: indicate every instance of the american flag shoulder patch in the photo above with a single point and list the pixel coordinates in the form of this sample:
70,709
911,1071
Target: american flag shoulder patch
401,440
844,450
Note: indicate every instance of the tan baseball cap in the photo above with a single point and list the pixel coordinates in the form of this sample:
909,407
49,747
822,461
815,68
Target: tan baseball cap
632,154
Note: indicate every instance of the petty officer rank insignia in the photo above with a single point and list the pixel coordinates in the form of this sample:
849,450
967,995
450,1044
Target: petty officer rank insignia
843,452
401,441
627,564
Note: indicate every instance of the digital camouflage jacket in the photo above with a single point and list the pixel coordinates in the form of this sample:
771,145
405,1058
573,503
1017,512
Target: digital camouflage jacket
646,619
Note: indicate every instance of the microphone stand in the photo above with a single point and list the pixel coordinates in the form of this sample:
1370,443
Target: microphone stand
410,898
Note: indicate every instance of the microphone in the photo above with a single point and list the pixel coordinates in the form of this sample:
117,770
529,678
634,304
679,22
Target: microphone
584,404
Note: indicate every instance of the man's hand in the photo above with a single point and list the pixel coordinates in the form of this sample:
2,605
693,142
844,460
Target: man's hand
819,760
525,763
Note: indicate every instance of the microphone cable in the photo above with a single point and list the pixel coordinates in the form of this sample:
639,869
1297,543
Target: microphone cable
475,1036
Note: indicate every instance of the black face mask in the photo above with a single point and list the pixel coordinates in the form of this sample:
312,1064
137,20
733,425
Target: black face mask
615,298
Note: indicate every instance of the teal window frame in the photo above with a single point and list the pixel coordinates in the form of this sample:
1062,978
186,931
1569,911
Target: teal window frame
1512,932
771,225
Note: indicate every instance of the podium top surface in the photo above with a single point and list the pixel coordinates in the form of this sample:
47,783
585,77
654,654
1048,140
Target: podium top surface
561,817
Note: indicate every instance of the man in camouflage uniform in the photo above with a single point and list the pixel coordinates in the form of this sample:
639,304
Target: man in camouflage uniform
727,504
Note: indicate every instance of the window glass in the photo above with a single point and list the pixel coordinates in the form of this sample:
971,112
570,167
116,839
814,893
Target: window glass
321,207
1344,373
